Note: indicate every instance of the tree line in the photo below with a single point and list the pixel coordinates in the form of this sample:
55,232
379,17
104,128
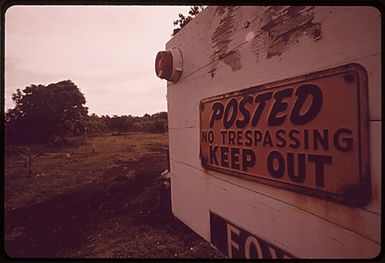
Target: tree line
148,123
50,113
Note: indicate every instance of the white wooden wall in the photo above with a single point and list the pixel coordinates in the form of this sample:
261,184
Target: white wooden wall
305,226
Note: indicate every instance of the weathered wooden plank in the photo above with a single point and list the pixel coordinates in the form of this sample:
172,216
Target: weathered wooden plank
190,204
332,24
182,145
290,228
360,221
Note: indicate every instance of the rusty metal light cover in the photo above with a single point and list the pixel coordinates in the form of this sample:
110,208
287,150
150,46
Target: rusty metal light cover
307,134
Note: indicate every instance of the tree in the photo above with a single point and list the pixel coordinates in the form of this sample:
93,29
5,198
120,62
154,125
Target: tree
121,123
159,123
42,113
96,125
184,20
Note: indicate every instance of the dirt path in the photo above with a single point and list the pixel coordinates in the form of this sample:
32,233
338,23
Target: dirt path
117,217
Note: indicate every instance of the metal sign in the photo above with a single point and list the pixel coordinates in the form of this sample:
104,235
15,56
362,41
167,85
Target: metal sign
235,242
307,134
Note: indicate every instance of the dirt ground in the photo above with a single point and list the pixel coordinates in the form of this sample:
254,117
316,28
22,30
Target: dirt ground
118,216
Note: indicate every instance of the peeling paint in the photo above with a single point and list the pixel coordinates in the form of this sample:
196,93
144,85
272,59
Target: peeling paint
272,13
259,42
222,34
221,38
220,10
282,27
233,59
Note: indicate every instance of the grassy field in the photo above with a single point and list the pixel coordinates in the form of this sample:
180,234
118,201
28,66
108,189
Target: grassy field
97,199
65,169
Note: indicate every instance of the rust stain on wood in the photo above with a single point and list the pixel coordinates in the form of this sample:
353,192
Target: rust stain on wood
233,59
221,38
282,27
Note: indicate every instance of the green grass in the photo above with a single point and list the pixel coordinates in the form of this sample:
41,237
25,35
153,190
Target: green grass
63,170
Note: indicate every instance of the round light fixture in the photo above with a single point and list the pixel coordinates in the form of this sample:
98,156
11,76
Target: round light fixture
168,64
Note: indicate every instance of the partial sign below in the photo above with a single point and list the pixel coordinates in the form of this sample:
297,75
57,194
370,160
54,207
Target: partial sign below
307,134
235,242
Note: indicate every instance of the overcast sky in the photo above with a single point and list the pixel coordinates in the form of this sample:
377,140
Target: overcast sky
107,51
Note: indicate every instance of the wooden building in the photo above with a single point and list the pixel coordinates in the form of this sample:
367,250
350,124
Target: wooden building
274,129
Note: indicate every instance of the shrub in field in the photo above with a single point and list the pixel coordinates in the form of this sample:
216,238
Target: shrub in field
42,113
28,157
